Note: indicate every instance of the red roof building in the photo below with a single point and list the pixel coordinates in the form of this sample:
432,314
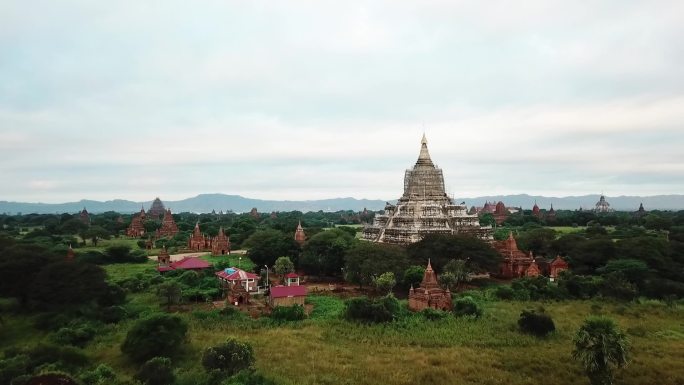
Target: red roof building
187,263
292,279
233,275
287,295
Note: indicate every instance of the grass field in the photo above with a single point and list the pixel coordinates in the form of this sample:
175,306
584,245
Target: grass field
326,349
567,229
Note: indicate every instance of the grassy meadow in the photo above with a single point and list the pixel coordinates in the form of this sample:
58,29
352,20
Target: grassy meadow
326,349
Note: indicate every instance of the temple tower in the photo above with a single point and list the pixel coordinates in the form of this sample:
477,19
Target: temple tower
300,236
424,208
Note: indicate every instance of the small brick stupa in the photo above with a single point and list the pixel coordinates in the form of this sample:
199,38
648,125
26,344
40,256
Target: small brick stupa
429,294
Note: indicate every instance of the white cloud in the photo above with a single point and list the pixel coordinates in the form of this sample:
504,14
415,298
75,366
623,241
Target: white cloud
313,99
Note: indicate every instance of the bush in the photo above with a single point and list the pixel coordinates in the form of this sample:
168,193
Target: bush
504,292
157,371
616,286
53,378
288,313
157,335
249,377
13,367
102,375
538,324
76,335
466,306
229,358
384,309
433,315
231,312
112,314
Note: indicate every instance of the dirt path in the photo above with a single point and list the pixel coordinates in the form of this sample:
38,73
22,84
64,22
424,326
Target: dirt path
178,257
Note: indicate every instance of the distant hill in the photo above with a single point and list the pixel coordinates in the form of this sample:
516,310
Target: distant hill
621,203
205,203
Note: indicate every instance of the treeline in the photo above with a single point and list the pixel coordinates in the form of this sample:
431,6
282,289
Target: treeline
653,220
45,227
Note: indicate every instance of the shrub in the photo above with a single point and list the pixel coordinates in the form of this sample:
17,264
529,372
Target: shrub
76,335
230,357
53,378
101,375
433,315
156,335
64,357
13,367
616,286
538,324
249,377
288,313
466,306
384,309
157,371
504,292
112,314
231,312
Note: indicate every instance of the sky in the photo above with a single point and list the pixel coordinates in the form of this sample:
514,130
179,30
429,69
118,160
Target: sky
299,100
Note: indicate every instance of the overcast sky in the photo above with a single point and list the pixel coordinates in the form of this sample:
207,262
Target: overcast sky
319,99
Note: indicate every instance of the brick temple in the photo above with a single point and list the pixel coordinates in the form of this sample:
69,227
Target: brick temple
429,294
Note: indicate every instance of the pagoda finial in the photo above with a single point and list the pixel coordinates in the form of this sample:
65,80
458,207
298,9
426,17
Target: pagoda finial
429,266
424,157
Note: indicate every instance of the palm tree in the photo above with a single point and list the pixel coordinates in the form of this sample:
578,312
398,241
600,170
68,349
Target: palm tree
601,348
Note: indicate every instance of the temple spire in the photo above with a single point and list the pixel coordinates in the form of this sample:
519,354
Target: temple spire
424,157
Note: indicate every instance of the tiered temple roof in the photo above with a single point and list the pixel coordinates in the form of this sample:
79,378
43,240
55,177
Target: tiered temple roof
220,244
157,209
423,209
137,226
429,294
169,227
300,236
84,216
602,206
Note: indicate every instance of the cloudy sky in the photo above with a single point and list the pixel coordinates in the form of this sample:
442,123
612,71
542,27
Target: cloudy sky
320,99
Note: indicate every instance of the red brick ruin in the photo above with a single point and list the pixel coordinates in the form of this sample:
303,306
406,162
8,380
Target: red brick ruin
429,294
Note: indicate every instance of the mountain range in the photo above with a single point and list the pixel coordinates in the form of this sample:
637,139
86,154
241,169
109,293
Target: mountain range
205,203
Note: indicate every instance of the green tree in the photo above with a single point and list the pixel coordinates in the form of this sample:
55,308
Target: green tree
69,283
229,357
283,265
19,265
458,268
413,276
95,233
600,347
156,335
169,292
156,371
73,226
441,248
364,260
487,220
447,280
385,282
537,240
264,246
324,253
633,270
